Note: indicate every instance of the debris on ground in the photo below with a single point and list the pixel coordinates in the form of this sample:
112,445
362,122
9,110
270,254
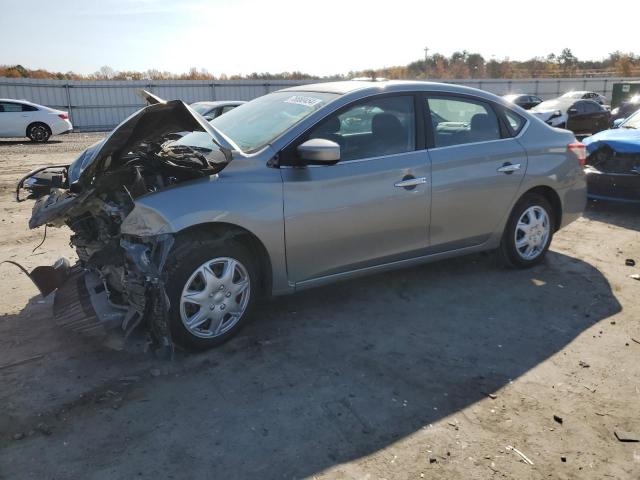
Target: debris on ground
18,436
635,340
558,419
627,436
522,455
630,262
583,364
635,276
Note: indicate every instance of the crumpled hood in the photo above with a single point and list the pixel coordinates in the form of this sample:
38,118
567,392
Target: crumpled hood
620,140
155,121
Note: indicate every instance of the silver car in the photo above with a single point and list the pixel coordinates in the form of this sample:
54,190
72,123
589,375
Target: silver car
299,188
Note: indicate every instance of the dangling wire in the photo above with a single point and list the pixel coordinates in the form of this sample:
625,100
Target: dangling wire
43,239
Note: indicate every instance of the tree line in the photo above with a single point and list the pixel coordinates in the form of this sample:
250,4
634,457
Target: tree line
460,65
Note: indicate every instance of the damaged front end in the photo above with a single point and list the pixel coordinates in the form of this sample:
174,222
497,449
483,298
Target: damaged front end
613,167
122,247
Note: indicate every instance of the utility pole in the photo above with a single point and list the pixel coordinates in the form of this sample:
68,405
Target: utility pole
426,59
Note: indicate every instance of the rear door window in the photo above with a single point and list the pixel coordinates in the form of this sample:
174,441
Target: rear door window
458,121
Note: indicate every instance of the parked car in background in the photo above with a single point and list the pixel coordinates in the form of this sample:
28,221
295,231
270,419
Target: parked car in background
625,109
187,234
522,100
613,162
585,95
582,117
211,110
20,118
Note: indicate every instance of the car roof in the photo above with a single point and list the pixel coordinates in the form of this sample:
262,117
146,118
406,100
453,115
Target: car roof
364,87
15,100
219,103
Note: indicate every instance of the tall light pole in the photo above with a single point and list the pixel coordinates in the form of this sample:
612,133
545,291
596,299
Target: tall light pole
426,59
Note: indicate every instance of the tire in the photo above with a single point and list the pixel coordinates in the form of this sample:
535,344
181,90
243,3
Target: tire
516,242
185,276
38,132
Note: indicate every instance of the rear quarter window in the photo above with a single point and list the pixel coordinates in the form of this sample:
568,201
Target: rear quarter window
515,123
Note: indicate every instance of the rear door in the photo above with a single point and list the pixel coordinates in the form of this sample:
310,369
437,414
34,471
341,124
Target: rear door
578,119
598,117
372,207
477,168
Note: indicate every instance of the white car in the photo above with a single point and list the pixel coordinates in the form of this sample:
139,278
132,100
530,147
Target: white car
585,95
20,118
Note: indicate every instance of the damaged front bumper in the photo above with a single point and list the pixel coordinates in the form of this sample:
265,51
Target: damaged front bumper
122,246
613,186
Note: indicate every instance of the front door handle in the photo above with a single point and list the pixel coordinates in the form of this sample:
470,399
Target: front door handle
509,168
410,182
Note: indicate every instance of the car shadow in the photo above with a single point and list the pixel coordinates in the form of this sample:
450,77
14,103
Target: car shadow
330,375
625,215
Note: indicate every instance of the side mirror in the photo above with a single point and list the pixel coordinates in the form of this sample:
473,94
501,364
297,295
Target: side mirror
572,111
617,122
208,118
319,151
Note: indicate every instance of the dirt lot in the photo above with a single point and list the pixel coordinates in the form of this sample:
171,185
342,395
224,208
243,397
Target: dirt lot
430,372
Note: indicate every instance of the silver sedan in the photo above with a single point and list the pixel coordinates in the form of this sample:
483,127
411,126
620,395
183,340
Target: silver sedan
299,188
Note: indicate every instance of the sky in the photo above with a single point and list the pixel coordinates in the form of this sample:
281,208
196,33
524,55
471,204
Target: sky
317,37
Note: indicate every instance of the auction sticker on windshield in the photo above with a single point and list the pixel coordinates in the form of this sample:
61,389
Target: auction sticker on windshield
302,100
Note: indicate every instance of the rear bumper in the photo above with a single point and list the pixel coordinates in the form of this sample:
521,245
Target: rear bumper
60,127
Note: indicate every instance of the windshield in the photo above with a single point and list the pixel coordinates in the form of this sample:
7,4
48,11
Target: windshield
632,122
257,123
201,108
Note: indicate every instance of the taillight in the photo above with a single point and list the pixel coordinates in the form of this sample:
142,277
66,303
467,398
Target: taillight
580,150
63,116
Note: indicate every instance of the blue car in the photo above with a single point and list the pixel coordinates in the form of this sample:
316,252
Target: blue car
613,162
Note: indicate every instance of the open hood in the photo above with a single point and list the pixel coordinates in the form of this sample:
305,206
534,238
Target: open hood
149,97
148,124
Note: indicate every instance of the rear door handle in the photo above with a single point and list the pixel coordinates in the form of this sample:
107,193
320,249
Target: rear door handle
509,168
410,182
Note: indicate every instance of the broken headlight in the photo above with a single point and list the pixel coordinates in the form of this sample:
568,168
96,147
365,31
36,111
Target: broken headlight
144,222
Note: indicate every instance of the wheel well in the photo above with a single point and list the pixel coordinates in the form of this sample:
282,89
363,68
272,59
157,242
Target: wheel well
552,197
245,237
37,123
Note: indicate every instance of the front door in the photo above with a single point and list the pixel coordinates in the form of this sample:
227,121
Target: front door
476,168
372,207
13,121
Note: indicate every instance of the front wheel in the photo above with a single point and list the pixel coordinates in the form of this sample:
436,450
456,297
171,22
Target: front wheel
212,287
528,233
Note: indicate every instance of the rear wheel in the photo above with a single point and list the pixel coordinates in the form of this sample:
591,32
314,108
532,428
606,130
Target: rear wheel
38,132
212,286
528,233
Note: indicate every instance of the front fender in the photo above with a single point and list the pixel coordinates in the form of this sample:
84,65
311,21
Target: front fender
245,195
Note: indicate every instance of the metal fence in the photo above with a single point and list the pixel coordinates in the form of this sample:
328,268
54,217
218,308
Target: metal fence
101,105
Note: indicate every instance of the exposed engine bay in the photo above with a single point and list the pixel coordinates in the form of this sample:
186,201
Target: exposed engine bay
161,145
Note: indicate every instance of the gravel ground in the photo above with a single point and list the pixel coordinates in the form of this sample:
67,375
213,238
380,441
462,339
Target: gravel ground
430,372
